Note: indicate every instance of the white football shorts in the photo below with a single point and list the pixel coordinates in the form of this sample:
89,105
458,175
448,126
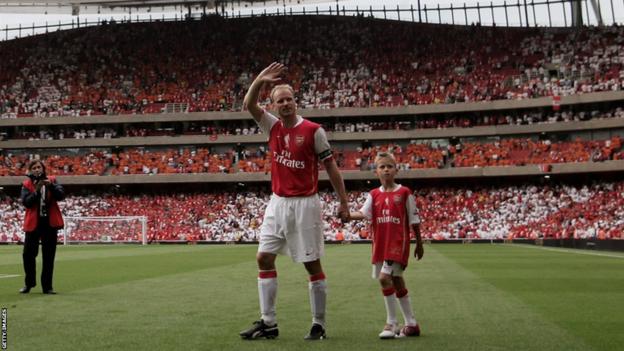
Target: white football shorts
293,226
395,269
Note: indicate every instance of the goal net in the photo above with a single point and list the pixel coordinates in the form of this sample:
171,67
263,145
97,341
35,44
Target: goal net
116,229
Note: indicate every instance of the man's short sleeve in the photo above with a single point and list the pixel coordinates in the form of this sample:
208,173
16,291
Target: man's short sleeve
412,210
267,122
367,208
321,145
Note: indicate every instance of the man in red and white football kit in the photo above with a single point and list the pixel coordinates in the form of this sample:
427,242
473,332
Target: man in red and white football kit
292,221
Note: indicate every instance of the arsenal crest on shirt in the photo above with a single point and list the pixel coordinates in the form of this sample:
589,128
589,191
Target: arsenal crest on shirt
299,139
398,199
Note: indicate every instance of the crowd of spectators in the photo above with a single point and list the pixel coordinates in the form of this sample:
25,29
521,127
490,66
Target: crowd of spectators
413,155
243,127
469,120
332,62
67,133
594,211
508,152
184,160
85,163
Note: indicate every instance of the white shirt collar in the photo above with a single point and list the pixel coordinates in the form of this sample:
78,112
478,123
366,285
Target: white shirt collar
383,190
299,121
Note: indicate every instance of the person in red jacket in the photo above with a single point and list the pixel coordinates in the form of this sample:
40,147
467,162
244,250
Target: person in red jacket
42,221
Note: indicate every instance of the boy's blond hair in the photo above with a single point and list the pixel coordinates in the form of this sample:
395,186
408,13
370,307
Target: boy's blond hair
385,155
281,86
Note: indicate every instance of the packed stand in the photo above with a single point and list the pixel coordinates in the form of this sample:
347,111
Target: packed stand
470,120
183,160
240,158
333,62
215,129
593,211
86,163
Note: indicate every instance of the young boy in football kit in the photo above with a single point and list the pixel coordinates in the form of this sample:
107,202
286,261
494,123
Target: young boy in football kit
391,208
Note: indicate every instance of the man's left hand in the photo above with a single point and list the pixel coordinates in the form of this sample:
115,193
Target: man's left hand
419,251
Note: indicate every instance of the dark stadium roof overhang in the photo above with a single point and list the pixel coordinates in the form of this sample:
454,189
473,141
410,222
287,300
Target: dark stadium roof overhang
14,6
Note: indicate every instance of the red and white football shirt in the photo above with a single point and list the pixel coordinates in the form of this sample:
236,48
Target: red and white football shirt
295,153
391,214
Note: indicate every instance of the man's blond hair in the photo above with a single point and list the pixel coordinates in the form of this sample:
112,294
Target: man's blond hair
281,86
385,156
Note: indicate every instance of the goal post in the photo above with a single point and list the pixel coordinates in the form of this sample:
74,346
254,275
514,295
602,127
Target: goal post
103,230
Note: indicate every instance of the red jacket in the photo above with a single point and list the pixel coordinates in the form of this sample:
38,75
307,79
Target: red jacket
30,220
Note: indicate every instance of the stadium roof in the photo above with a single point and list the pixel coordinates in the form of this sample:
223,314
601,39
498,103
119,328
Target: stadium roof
34,6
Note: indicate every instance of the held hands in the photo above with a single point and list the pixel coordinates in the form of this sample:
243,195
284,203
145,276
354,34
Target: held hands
343,212
272,74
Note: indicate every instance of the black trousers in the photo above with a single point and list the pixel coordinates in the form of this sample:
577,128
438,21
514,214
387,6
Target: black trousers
48,238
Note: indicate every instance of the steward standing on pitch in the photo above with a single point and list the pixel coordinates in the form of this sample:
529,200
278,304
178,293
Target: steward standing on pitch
292,221
42,221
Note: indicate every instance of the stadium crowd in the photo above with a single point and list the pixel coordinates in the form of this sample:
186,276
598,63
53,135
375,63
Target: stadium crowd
194,128
515,211
240,158
123,69
245,127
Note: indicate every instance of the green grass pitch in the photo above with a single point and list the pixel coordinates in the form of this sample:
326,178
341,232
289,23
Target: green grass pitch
466,297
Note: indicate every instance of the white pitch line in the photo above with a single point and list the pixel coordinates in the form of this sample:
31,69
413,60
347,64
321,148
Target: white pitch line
566,250
9,275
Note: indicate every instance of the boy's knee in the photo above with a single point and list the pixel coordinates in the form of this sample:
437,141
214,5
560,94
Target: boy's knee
385,280
398,282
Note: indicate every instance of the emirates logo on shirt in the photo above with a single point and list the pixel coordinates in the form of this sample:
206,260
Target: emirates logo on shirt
285,159
387,217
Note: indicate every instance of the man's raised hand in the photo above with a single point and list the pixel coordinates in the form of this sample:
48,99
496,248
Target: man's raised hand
273,73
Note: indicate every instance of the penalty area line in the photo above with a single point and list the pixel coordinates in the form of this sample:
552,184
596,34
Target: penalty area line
566,250
9,275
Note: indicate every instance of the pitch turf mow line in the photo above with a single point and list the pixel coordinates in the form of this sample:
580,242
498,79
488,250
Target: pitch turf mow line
491,306
469,297
564,250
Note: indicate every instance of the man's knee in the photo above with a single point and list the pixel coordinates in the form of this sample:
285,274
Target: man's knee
266,261
313,267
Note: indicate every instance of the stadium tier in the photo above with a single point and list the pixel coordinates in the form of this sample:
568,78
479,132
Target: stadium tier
333,62
221,128
447,101
414,155
505,212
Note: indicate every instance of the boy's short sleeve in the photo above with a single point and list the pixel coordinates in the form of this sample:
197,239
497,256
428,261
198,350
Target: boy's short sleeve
367,208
